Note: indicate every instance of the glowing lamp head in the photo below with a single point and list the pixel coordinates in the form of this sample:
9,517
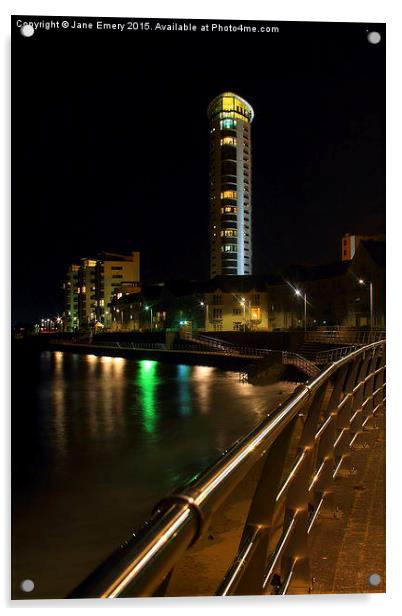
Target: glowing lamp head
298,292
361,281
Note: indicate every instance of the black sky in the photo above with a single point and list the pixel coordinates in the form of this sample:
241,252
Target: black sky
110,147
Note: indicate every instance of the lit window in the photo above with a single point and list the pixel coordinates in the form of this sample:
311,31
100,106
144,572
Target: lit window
256,314
228,210
228,123
229,141
229,233
229,248
229,194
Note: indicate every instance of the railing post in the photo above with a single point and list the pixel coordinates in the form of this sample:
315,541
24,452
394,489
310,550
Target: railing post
380,380
298,501
246,575
356,419
369,385
345,409
326,436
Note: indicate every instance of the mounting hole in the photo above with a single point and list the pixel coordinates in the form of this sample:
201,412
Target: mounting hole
374,37
27,585
27,30
374,579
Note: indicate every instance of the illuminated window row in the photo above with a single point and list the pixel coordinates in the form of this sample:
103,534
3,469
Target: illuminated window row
229,194
223,115
227,124
229,210
229,141
229,248
229,233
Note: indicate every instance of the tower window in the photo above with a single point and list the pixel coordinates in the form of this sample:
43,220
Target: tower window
229,248
229,194
229,233
229,141
228,123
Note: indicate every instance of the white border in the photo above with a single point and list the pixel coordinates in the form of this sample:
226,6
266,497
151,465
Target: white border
296,10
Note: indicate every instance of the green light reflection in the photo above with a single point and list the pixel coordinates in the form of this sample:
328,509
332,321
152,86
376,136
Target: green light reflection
147,382
183,378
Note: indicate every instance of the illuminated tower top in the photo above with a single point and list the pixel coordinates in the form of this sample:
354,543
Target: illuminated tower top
230,118
229,105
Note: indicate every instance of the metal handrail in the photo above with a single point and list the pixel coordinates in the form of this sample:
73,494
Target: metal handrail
188,344
332,407
304,364
331,355
345,335
208,338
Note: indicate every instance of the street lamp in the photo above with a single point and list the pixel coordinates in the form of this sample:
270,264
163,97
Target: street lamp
300,294
362,282
150,308
243,303
204,304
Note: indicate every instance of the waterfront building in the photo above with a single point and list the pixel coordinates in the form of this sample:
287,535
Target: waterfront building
334,293
90,286
70,287
158,307
236,304
87,293
337,293
230,118
113,271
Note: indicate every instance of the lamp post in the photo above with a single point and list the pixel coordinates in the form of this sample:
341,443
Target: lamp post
362,282
243,303
204,304
150,308
300,294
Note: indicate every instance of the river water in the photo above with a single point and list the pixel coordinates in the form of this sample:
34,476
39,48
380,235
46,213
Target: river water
97,441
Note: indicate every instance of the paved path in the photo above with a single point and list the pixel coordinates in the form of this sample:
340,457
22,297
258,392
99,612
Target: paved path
349,542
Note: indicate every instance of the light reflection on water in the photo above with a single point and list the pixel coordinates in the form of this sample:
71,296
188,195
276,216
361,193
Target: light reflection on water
147,382
98,440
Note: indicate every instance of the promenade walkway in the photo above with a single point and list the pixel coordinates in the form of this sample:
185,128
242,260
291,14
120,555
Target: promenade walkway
349,540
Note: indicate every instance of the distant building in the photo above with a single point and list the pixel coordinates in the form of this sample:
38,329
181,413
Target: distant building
230,118
350,243
70,286
113,271
236,304
336,294
90,286
87,293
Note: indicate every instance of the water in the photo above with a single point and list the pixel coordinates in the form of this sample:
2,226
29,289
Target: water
97,441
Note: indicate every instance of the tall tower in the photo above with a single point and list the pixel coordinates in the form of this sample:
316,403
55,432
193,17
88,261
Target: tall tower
230,117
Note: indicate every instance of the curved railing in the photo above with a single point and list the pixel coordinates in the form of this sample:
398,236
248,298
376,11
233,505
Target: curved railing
345,335
298,451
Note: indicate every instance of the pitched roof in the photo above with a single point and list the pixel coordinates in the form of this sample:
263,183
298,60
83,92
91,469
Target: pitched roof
376,250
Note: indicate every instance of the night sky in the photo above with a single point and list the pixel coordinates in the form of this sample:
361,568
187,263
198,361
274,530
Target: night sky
110,145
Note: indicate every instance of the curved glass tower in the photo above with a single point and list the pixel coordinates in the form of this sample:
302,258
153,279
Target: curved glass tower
230,117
